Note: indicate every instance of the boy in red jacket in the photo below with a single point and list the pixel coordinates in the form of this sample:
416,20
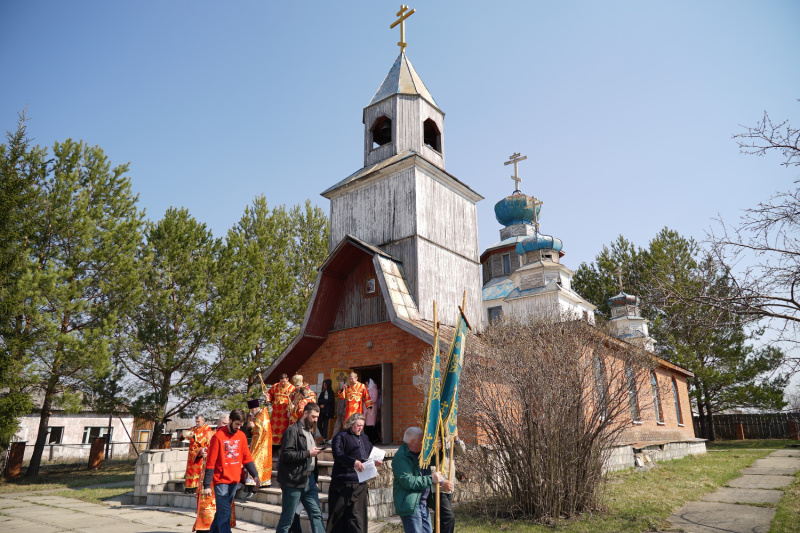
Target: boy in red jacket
227,454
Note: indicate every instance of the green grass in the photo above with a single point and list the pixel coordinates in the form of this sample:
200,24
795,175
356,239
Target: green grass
639,501
787,516
744,444
96,495
70,476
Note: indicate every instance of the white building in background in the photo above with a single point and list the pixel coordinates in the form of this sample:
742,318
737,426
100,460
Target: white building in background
69,436
523,274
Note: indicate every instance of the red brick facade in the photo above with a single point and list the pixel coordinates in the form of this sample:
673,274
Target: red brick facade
348,349
648,428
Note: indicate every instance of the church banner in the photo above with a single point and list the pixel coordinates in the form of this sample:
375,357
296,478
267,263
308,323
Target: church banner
432,407
452,374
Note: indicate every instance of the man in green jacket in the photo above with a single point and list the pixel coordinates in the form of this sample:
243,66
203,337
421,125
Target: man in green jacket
412,486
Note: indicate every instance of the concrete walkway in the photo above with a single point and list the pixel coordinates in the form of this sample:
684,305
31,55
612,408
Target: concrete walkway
734,509
43,512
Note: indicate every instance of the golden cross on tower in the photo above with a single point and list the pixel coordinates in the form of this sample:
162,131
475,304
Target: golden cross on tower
403,14
619,277
515,159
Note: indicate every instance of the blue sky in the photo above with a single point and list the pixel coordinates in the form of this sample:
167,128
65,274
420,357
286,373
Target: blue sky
624,109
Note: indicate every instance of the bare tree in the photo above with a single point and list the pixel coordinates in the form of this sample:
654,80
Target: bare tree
548,398
761,254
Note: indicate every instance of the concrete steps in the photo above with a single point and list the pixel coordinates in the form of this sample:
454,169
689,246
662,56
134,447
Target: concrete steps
263,509
254,512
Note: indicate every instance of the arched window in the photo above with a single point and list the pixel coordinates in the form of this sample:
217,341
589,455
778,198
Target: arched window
633,399
431,135
677,400
656,398
600,386
381,131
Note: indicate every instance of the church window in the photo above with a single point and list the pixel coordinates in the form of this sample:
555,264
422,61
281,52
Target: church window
656,398
495,313
381,131
600,386
677,400
506,264
431,135
633,400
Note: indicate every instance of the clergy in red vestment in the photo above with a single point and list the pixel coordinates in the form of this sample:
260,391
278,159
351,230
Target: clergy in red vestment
199,439
278,394
307,396
356,395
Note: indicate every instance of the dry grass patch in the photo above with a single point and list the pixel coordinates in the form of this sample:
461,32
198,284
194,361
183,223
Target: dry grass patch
70,476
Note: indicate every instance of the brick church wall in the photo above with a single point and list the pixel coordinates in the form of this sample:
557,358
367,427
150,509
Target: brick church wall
649,429
348,349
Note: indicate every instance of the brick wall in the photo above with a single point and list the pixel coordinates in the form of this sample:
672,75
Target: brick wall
348,349
649,429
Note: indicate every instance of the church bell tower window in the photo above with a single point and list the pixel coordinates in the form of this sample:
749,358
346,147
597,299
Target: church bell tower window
381,131
431,135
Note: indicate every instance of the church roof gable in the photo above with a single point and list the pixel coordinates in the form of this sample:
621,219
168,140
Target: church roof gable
323,306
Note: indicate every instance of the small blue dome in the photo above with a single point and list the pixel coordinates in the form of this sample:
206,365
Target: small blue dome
516,209
539,242
622,299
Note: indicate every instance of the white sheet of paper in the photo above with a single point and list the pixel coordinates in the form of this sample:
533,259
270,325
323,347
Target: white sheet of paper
369,472
377,454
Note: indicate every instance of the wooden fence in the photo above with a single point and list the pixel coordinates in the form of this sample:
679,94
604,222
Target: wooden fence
764,426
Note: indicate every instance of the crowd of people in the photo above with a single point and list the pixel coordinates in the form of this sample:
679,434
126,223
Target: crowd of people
220,462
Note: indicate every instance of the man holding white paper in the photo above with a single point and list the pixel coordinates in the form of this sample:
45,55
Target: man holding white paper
354,459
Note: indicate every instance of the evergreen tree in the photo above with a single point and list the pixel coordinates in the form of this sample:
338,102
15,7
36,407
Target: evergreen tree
176,323
19,195
270,262
309,250
87,234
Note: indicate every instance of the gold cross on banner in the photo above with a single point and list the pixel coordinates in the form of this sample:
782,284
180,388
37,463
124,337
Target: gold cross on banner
403,14
515,159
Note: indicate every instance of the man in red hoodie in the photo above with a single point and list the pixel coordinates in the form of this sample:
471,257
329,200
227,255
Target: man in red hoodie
227,454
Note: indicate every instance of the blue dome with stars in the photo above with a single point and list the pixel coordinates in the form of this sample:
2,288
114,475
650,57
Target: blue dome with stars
538,241
516,209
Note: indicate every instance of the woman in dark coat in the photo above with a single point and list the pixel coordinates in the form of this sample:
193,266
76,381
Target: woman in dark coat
347,498
326,408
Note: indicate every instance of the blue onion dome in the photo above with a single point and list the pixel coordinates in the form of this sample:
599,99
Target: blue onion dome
538,241
622,299
516,209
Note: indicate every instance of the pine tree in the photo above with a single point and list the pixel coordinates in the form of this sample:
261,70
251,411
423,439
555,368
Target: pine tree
87,235
270,262
174,329
19,195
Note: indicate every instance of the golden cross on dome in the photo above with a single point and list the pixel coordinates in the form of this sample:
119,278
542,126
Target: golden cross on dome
403,14
619,277
515,159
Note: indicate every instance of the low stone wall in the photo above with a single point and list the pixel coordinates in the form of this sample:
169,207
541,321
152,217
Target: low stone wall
639,454
155,468
620,458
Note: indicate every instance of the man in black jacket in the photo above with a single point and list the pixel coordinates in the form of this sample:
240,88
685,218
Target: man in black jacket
298,471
